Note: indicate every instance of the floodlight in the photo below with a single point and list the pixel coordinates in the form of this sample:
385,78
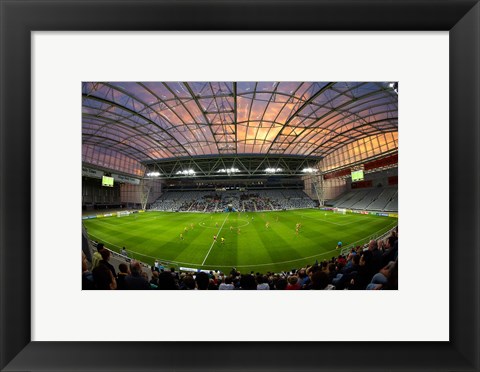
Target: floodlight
273,170
394,85
187,172
153,174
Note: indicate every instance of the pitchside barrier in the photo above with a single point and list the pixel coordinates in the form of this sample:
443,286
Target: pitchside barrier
360,211
193,270
112,214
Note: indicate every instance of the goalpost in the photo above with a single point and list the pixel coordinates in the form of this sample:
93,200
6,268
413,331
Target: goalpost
340,211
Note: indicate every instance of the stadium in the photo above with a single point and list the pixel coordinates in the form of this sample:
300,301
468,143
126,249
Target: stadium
240,185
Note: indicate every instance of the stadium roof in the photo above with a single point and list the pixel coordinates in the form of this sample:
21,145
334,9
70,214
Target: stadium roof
155,122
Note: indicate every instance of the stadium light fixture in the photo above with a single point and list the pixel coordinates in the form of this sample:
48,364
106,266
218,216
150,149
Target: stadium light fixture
310,170
228,170
187,172
394,86
153,174
273,170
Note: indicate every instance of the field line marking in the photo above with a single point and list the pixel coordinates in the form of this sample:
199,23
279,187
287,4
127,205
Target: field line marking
254,265
218,233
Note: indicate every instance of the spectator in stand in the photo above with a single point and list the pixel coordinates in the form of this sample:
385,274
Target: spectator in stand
324,265
202,280
262,283
166,281
318,280
332,272
86,245
376,255
350,260
154,280
228,285
381,279
234,272
105,258
173,272
392,283
87,276
103,278
188,283
380,245
310,271
365,272
281,284
212,286
352,265
293,283
394,234
97,257
122,274
391,250
341,262
135,280
302,277
345,276
247,282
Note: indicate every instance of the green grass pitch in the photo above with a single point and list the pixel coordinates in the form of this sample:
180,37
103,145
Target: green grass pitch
249,244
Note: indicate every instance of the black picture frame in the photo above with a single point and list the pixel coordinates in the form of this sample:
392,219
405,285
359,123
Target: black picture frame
19,18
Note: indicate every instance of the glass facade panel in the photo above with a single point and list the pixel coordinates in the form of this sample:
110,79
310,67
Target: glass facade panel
141,122
360,150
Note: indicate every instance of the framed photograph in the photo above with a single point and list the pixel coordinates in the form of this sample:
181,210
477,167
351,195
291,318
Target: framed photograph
52,51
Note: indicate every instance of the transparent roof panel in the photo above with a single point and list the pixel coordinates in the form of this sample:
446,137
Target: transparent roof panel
150,121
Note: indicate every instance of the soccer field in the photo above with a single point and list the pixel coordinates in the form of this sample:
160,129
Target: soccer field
248,243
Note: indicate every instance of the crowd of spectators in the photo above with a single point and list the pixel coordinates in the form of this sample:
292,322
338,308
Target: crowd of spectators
371,267
261,200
